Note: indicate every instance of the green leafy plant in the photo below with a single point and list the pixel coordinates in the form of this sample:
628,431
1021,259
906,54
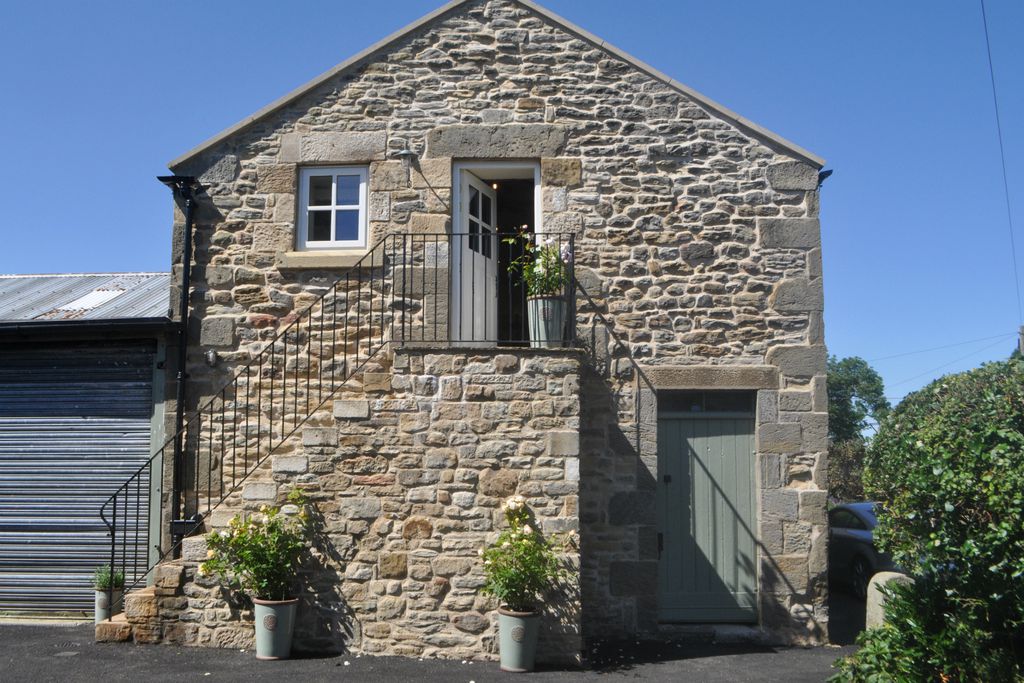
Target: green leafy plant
104,578
521,564
948,466
545,266
259,553
924,639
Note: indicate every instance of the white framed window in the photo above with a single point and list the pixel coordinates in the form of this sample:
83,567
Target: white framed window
332,207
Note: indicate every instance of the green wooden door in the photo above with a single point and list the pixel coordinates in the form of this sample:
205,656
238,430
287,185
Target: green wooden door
708,558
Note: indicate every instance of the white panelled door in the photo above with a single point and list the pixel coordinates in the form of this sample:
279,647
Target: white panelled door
475,263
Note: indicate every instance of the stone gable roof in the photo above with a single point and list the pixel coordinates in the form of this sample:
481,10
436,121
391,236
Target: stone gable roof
366,55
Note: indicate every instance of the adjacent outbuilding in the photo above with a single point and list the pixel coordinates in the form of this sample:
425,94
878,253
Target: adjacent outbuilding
79,375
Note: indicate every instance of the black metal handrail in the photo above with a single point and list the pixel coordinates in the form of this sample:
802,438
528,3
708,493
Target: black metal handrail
469,288
219,434
404,290
604,351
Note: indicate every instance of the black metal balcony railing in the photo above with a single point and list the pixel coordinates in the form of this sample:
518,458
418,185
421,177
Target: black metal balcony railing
458,288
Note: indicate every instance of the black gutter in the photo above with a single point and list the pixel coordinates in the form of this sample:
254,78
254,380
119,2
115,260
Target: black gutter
71,328
183,187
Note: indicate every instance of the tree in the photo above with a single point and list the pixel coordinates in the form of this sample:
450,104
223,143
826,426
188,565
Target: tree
856,398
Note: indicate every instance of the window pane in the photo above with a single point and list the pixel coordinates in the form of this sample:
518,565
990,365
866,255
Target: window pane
707,401
320,190
730,401
485,215
348,190
474,240
486,239
319,226
346,225
474,202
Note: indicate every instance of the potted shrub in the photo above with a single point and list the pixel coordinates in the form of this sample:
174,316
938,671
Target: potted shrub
545,266
258,554
519,567
109,586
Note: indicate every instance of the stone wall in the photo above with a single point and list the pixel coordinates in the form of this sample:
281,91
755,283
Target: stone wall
697,237
407,478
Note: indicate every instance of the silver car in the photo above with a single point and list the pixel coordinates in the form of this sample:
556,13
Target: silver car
852,556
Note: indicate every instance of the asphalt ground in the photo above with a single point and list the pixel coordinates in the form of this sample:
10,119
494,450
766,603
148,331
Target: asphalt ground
63,652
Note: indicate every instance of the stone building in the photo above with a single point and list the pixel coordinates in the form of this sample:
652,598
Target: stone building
357,330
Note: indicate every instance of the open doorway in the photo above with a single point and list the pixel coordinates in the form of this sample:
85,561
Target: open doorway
494,201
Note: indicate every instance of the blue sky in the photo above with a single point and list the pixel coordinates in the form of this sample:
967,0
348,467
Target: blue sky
99,96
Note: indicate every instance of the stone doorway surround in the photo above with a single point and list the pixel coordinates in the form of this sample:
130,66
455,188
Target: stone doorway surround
790,499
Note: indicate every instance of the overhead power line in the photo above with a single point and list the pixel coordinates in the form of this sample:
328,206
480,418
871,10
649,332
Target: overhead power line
944,346
1002,157
944,365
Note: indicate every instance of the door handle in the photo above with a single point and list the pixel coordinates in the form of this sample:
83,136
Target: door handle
667,478
661,544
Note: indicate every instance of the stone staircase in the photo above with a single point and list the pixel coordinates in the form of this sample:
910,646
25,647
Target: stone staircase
407,469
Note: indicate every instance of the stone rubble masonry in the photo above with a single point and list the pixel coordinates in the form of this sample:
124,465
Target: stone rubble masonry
700,243
412,489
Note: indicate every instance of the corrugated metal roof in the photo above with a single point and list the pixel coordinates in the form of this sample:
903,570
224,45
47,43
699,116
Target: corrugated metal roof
84,296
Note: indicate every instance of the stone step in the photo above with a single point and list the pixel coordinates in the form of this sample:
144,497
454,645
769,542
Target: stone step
114,630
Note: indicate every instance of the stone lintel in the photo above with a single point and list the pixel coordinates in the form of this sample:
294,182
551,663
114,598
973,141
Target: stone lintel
665,377
509,141
333,148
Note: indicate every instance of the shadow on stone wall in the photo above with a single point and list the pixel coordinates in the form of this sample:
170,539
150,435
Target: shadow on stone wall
326,624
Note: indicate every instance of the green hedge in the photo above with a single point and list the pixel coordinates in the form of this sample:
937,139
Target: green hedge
948,465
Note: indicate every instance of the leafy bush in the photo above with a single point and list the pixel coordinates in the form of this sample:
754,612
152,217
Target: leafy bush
105,579
923,640
259,554
520,565
948,465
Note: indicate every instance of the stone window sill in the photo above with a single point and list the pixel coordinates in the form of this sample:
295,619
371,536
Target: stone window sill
326,259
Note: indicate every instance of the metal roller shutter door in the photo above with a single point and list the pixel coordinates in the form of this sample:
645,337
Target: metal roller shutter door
74,426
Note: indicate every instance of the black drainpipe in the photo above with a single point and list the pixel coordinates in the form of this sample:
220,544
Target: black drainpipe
183,188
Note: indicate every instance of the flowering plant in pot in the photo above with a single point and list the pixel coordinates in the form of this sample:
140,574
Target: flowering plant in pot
109,586
519,566
546,267
258,554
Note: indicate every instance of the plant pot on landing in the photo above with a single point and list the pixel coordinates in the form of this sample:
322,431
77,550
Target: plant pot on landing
107,605
546,315
275,623
517,637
